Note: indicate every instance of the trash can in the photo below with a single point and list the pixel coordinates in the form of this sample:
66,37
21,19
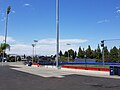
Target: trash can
119,71
115,70
111,70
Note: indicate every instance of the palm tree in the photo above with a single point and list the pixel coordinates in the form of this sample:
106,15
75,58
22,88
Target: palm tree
3,47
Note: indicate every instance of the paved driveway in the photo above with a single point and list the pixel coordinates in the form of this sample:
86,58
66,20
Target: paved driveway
11,79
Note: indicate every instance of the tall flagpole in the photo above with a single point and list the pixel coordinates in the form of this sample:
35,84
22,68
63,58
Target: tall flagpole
57,32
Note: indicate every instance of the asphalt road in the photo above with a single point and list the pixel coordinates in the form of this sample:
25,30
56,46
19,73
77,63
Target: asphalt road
15,80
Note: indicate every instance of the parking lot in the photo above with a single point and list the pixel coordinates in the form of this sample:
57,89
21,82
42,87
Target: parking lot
11,78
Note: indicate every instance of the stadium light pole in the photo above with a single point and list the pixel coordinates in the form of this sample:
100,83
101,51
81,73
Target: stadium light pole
33,45
68,52
8,11
6,29
35,42
57,32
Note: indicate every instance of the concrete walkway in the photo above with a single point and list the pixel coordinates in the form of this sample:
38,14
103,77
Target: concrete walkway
45,71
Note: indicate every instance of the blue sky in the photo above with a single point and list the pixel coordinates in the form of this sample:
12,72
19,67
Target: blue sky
82,23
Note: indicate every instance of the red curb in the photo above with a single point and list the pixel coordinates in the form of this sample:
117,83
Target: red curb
81,68
36,64
87,68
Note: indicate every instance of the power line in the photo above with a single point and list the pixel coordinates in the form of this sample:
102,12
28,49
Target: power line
112,40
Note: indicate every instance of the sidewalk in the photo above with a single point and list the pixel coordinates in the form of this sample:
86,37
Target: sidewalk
50,71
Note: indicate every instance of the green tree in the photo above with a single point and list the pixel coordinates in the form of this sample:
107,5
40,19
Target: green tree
71,53
4,46
75,54
94,53
12,59
89,52
66,54
80,53
18,58
119,54
106,54
60,53
98,53
114,54
29,58
65,59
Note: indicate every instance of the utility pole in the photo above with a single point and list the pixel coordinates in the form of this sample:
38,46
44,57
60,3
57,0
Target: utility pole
57,32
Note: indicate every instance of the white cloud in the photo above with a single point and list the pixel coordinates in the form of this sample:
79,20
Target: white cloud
26,4
103,21
117,7
0,10
118,11
2,15
62,41
73,41
45,46
9,39
13,11
3,19
20,49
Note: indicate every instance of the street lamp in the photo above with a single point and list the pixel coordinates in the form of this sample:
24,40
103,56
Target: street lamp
68,52
33,45
57,32
6,27
35,42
